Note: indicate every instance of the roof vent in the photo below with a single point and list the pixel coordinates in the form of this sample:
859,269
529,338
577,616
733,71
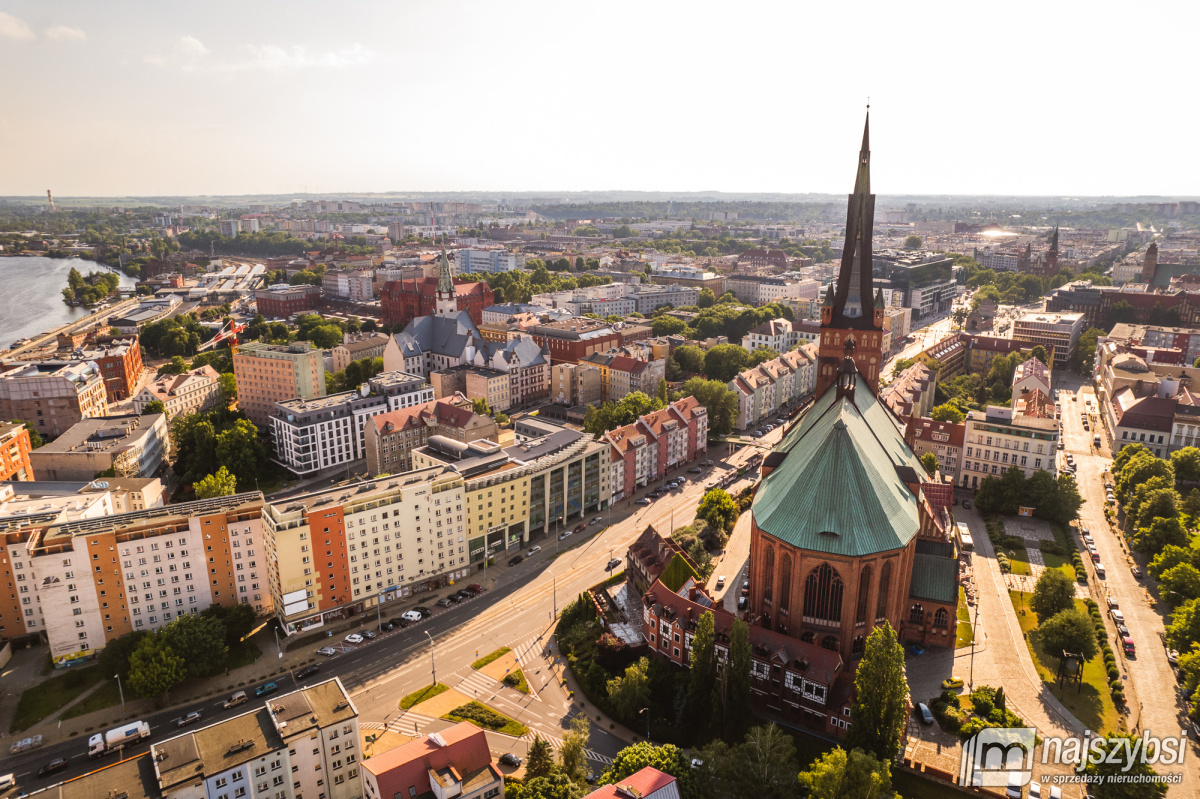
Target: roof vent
241,745
437,740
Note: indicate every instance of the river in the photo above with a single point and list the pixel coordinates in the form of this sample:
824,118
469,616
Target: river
31,294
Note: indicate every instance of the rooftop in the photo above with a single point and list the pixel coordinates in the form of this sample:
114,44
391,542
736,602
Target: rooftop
108,433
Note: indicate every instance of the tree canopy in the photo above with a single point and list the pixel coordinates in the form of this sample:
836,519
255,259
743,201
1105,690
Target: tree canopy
877,718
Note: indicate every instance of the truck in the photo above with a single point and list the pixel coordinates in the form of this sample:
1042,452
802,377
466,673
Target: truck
125,735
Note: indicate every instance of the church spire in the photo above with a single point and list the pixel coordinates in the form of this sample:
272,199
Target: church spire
446,299
445,279
853,306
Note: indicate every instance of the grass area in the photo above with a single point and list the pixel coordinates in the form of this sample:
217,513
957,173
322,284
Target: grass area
241,654
40,702
428,692
483,716
106,696
516,679
1092,704
966,633
1059,562
486,659
1018,561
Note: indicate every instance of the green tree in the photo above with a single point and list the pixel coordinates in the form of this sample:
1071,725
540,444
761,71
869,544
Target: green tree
480,406
703,669
1068,631
571,753
1054,593
540,760
662,392
718,509
199,641
176,366
1040,353
240,448
667,758
228,385
913,243
762,355
555,786
238,620
668,326
878,716
1105,774
947,413
221,484
152,407
1160,534
35,438
734,687
154,669
724,361
1183,579
1184,629
115,656
630,692
763,766
718,400
690,359
707,298
929,462
853,775
1186,463
1169,556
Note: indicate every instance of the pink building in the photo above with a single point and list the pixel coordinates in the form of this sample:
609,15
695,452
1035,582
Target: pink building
656,443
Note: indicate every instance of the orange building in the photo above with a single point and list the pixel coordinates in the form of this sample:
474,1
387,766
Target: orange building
14,452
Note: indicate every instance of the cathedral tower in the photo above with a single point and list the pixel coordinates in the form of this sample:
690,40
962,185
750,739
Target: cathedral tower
446,303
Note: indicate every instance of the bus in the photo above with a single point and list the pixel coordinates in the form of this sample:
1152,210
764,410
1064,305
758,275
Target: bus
965,542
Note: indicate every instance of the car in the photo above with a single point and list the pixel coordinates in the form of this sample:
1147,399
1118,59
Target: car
720,581
190,718
1035,790
509,759
424,611
597,520
370,634
1173,656
1112,602
564,535
1117,616
411,616
307,671
1016,780
1062,445
466,593
533,551
266,688
780,421
515,559
612,564
53,767
967,504
1127,645
235,700
455,598
758,434
681,479
643,501
1135,571
1095,555
442,603
387,626
695,470
706,464
590,777
924,712
741,603
579,528
354,638
476,587
327,651
1122,630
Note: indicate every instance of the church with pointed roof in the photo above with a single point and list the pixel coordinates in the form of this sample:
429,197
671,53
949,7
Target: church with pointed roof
402,301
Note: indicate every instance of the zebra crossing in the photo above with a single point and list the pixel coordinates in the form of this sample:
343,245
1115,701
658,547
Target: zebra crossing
478,685
408,723
556,744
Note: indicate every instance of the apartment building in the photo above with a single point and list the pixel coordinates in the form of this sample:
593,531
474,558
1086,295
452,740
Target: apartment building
455,763
271,373
1001,438
120,362
194,391
356,285
648,298
280,302
52,395
621,375
329,431
344,550
911,394
14,452
646,449
117,573
943,439
357,347
774,334
576,384
487,261
1058,330
1031,375
761,290
299,745
131,446
391,437
777,386
569,340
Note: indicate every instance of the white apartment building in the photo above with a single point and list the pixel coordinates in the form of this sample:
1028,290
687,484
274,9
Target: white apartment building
775,387
189,392
300,745
340,550
53,395
774,334
1000,439
487,261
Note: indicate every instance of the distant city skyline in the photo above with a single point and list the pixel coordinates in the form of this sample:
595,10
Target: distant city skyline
138,98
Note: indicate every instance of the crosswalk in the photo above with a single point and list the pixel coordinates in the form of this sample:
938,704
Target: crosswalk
408,723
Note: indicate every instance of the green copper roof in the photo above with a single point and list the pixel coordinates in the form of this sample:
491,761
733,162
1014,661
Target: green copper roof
934,578
838,489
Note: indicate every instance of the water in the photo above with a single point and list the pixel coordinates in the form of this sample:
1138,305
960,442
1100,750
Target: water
31,294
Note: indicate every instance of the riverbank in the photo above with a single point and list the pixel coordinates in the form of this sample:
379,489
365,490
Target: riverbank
31,298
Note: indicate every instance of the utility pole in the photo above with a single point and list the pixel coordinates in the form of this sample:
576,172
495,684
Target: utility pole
974,638
554,591
122,692
432,662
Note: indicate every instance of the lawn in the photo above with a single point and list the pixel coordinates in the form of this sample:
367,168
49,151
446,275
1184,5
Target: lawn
1092,704
1018,561
40,702
1059,562
483,716
106,696
516,679
486,659
966,633
428,692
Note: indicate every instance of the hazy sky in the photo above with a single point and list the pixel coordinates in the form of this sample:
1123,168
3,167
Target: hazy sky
1054,98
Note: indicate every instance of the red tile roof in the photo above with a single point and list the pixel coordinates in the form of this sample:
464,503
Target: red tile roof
641,783
466,749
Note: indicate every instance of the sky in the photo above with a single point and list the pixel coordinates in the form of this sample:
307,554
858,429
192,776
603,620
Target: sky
1056,98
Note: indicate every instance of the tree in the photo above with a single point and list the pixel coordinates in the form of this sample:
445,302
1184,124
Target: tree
1068,631
667,758
554,786
574,740
115,656
35,438
853,775
668,326
1183,579
878,716
630,692
718,509
707,298
929,462
690,359
540,762
199,641
736,679
763,767
703,669
154,406
221,484
947,413
241,450
480,406
1160,534
176,366
913,243
662,392
154,669
1186,463
1054,593
1114,760
1169,557
238,620
724,361
716,397
1184,629
1040,353
228,385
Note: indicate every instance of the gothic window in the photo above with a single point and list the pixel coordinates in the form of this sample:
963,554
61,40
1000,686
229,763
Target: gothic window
864,590
916,614
939,618
785,581
807,637
829,642
857,647
823,594
768,574
885,581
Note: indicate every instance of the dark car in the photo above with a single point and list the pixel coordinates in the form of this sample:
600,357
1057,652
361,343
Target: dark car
190,718
514,560
509,759
424,611
695,470
455,598
643,501
579,528
387,626
612,564
307,671
266,688
967,504
398,622
53,767
466,594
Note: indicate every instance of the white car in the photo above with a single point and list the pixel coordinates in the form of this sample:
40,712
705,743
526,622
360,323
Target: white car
354,638
411,615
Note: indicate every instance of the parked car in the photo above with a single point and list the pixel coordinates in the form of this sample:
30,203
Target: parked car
1117,616
354,638
328,651
695,470
1173,656
564,535
1112,602
612,564
741,603
533,551
706,464
509,759
190,718
681,479
53,767
370,634
442,603
643,501
515,559
455,598
1122,630
721,581
926,715
967,504
476,588
1127,645
758,434
307,671
266,688
466,594
424,611
579,528
411,616
387,626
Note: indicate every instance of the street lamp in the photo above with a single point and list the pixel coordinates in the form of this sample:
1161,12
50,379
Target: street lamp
122,692
646,710
432,662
